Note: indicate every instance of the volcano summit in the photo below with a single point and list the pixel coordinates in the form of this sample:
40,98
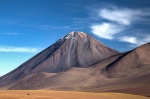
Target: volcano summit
80,62
76,49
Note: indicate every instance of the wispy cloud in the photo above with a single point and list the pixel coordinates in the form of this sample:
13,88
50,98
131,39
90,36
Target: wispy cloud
137,41
106,30
47,27
115,21
129,39
53,27
18,49
122,16
10,33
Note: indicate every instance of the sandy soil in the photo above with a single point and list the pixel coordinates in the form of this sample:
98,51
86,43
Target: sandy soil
36,94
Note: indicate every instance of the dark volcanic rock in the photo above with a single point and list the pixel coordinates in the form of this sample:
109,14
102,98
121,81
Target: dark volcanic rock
76,49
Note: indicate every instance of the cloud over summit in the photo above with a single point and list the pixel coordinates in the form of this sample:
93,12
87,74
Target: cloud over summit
106,30
116,21
122,16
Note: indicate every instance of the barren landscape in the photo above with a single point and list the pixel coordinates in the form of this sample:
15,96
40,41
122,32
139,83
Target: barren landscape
79,62
74,49
34,94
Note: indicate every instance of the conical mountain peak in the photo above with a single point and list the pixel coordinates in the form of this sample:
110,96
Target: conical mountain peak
77,49
76,34
79,62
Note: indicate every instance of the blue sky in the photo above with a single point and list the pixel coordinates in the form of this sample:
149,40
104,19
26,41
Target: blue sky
29,26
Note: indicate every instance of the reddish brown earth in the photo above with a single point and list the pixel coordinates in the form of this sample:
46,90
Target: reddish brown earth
47,94
79,62
76,49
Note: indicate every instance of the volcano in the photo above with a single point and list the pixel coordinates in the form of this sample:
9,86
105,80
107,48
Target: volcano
76,49
81,63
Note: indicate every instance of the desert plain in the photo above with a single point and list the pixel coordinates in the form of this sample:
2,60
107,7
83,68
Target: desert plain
46,94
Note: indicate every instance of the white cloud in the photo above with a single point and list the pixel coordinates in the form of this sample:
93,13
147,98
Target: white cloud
137,41
128,39
143,40
122,16
18,49
47,27
10,33
114,23
106,30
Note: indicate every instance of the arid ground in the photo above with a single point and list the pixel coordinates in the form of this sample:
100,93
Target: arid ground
79,62
36,94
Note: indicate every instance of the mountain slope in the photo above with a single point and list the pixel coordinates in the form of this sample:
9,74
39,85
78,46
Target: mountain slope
76,49
135,62
124,72
128,73
81,63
